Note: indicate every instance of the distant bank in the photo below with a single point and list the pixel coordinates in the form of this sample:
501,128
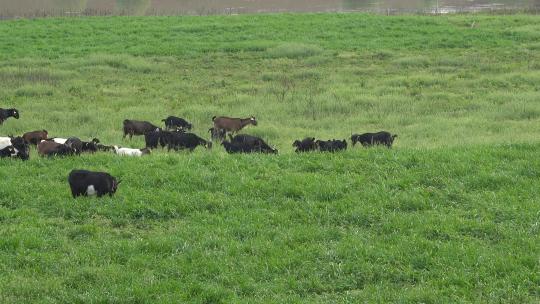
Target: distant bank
53,8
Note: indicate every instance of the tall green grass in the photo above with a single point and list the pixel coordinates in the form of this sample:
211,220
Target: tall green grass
450,214
402,225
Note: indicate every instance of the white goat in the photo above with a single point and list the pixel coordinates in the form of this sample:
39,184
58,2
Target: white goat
5,142
59,140
131,152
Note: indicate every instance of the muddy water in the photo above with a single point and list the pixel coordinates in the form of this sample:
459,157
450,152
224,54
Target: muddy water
41,8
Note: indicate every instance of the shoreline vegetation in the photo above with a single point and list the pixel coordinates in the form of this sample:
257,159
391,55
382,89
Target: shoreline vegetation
449,214
496,9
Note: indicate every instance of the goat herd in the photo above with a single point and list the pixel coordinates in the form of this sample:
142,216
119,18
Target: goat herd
174,136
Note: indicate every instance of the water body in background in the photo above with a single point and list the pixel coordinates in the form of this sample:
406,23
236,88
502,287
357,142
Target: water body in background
44,8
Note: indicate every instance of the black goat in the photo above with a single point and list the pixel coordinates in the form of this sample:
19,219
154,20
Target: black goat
7,113
372,139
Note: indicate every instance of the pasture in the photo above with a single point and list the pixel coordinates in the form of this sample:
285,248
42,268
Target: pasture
450,214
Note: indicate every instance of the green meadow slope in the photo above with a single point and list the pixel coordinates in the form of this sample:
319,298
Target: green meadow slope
450,214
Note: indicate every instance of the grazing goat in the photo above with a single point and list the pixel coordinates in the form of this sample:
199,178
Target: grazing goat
256,144
87,183
18,141
7,113
35,137
75,144
8,151
131,152
232,125
159,137
165,137
152,138
80,146
242,147
190,141
236,147
136,127
90,146
50,148
372,139
305,145
176,123
331,145
22,150
21,147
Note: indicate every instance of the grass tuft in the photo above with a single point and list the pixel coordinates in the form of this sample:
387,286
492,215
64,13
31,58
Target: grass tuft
34,91
412,62
294,51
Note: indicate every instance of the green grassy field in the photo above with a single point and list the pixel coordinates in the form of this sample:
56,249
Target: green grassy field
451,214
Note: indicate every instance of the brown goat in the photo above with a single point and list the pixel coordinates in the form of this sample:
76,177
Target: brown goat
35,137
232,124
50,148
